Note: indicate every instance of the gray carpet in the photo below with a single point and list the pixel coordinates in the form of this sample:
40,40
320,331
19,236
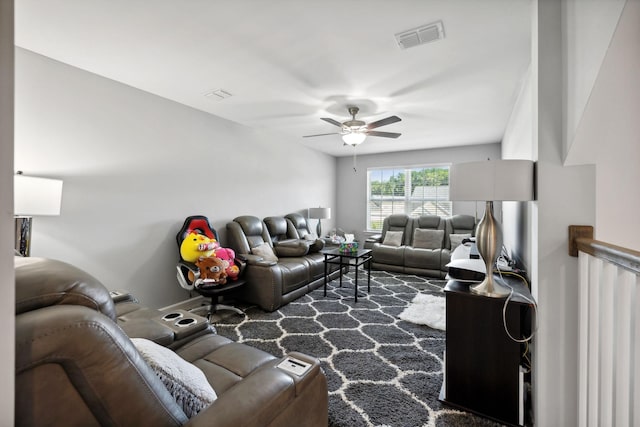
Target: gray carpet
381,371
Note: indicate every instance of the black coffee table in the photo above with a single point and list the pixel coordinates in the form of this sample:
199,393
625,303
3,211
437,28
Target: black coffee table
346,259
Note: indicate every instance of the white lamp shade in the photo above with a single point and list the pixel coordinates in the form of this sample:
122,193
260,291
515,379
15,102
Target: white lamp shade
319,213
36,196
492,180
354,138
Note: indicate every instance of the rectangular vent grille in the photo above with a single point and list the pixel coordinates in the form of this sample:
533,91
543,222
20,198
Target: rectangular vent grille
421,35
218,94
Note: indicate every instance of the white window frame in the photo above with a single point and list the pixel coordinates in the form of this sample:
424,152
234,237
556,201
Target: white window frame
443,206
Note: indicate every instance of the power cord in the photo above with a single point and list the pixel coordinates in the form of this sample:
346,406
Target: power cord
506,302
525,357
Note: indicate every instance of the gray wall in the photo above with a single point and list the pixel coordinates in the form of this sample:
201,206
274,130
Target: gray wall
7,282
134,165
352,185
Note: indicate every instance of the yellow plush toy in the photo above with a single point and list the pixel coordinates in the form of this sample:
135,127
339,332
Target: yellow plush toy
197,245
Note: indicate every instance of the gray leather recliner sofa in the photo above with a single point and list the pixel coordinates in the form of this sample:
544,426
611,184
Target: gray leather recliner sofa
76,367
289,270
424,252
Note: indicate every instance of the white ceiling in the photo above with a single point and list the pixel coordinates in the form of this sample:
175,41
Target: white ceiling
288,63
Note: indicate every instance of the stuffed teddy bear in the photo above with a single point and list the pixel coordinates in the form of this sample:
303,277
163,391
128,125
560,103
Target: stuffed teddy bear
197,245
228,256
212,269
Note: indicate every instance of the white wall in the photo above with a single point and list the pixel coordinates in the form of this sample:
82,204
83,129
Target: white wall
134,165
565,196
604,193
518,143
352,185
587,28
609,133
7,282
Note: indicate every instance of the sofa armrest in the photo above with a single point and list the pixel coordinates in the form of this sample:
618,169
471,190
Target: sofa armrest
251,259
371,240
375,238
263,396
253,402
291,248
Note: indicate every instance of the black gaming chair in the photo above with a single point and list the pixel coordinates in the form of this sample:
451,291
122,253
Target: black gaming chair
200,224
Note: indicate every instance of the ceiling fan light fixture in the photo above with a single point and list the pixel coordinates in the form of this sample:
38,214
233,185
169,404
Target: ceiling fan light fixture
354,138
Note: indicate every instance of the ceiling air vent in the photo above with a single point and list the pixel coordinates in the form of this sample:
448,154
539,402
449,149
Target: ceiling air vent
421,35
218,94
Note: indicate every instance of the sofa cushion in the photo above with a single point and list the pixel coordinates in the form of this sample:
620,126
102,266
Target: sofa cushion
421,258
456,239
265,251
427,239
385,254
393,238
310,236
186,382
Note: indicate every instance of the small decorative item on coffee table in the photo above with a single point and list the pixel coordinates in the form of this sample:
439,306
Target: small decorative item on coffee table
348,247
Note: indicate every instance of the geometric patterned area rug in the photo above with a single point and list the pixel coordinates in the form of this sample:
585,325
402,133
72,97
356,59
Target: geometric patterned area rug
381,371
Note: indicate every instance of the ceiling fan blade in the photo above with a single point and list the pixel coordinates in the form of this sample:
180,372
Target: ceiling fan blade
332,121
383,134
321,134
382,122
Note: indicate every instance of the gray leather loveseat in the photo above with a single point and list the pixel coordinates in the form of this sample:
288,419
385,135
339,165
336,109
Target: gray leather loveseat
421,245
76,367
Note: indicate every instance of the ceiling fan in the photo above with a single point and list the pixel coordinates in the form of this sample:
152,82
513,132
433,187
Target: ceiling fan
355,131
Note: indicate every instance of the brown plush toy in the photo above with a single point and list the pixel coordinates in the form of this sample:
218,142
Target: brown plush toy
212,269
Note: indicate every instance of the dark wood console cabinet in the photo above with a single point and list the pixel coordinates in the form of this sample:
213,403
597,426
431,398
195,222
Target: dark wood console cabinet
482,364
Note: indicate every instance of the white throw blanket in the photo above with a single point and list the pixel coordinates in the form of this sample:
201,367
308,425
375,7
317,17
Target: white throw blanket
185,381
426,310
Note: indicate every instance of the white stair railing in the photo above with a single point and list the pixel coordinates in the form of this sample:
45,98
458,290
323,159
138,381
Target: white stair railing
609,334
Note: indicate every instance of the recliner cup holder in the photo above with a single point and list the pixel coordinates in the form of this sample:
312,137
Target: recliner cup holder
186,322
172,316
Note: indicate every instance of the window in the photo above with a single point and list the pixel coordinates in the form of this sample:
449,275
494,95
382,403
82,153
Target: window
415,191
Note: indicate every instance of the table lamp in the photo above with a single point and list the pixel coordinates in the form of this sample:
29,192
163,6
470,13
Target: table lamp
319,214
33,196
489,181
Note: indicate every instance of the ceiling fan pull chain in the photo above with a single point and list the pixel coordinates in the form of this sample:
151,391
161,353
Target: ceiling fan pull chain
354,159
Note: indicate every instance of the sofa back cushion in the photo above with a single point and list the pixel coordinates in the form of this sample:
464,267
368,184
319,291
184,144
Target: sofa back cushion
456,239
426,222
246,232
459,225
424,238
398,222
278,228
299,225
42,282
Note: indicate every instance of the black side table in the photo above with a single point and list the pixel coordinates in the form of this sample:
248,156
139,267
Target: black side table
346,259
482,364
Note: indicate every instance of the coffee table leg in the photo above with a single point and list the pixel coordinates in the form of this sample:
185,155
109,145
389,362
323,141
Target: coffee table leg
356,268
369,276
341,271
325,275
